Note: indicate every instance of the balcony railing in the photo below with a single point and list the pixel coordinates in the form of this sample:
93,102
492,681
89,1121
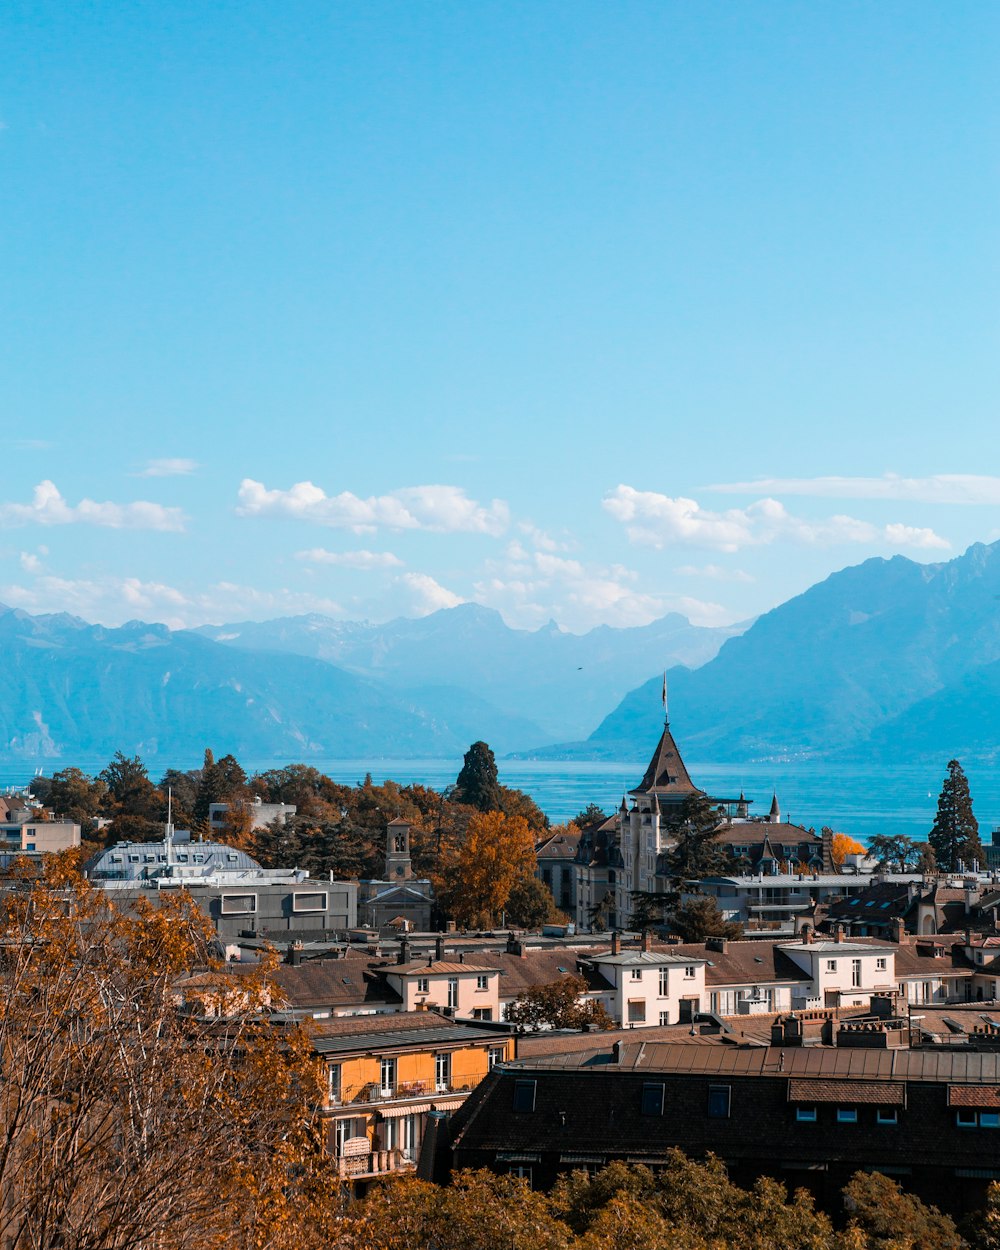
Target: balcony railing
375,1163
372,1092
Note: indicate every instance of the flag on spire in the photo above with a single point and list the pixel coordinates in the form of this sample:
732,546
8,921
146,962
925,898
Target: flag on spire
664,695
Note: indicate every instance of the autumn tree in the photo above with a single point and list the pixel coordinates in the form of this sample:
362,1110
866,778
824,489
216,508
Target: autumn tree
955,833
77,797
478,783
476,882
128,1119
842,845
892,1219
560,1005
221,781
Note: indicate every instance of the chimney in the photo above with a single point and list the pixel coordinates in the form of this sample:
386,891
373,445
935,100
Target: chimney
792,1031
647,940
511,944
777,1034
439,947
838,933
897,931
807,934
719,944
615,943
294,956
616,1052
404,952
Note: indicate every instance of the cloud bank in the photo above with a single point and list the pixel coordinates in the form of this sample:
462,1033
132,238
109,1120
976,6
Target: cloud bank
48,507
951,488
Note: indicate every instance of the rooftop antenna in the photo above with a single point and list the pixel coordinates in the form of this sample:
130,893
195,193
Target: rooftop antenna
168,840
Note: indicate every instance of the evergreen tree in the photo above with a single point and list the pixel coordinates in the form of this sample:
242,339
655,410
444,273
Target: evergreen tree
955,834
696,851
477,783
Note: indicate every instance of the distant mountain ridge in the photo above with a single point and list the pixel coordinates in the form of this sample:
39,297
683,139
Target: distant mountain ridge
563,682
70,690
888,660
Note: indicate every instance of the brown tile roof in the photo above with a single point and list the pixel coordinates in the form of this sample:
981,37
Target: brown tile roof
884,1093
537,967
743,963
559,846
746,833
334,983
360,1026
974,1095
917,958
440,967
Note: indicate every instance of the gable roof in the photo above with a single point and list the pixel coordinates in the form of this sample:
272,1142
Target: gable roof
334,982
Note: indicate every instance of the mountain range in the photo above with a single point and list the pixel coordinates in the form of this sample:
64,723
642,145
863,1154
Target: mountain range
310,687
889,661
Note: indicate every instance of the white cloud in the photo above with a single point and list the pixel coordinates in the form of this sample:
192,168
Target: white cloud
169,467
714,572
48,507
426,595
952,488
30,562
532,587
439,509
657,520
350,559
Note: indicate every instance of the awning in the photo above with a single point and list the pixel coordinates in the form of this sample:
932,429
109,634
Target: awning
880,1093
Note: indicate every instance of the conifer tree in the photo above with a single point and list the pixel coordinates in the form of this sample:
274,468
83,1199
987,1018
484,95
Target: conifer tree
478,783
955,834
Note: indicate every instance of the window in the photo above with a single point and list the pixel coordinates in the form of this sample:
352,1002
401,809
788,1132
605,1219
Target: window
423,985
856,973
887,1115
689,972
494,1056
664,983
388,1078
636,974
482,982
965,1119
232,857
333,1083
882,963
847,1115
482,1013
637,1011
989,1119
309,902
805,1115
521,1170
718,1101
132,859
524,1095
831,965
652,1098
238,904
453,991
664,1017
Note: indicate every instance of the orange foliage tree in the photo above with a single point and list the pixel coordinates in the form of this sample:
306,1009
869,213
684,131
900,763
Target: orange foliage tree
843,845
128,1119
475,880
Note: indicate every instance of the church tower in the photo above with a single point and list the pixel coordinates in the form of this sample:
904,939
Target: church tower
397,850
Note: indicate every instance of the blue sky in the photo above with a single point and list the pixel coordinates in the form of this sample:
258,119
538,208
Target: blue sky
583,311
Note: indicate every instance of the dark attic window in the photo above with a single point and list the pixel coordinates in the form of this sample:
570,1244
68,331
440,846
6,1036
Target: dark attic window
718,1101
652,1098
524,1095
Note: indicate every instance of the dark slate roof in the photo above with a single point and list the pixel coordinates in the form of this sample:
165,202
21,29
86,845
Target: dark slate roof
666,776
392,1035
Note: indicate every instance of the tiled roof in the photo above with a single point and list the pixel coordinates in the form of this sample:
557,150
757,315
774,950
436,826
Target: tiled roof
392,1038
883,1093
745,963
440,967
537,967
666,775
334,982
974,1095
559,846
745,833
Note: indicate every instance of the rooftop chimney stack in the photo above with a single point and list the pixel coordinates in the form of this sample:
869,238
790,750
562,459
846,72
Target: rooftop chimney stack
615,943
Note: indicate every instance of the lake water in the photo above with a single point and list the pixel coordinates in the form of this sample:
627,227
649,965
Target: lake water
858,800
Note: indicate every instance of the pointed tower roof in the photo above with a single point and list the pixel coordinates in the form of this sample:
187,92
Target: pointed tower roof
667,777
775,812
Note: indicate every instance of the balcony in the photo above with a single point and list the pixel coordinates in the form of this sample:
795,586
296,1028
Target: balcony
351,1167
372,1093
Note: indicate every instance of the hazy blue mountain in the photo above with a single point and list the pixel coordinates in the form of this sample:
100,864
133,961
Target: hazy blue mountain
889,657
72,690
563,682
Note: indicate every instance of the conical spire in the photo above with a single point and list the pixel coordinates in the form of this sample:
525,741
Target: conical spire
666,774
775,813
